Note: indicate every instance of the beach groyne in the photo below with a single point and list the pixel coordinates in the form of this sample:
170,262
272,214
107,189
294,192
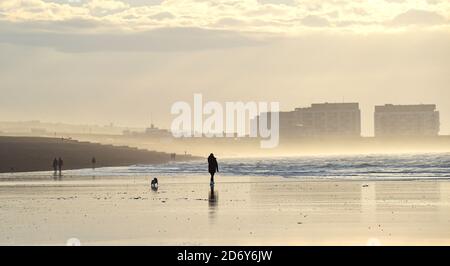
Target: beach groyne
24,154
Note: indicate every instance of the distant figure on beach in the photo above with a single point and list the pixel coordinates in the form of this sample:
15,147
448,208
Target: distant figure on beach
55,165
212,167
60,165
94,161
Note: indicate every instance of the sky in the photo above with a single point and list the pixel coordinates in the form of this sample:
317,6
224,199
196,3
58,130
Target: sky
102,61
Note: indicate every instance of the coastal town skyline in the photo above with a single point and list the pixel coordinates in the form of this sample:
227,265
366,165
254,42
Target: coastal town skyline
427,116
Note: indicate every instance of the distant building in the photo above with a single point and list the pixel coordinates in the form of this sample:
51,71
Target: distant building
322,120
151,131
406,120
329,119
38,131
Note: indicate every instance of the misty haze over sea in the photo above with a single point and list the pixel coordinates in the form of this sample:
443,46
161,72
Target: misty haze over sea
370,167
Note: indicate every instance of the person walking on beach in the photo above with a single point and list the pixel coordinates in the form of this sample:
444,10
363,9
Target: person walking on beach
94,161
213,167
60,165
55,165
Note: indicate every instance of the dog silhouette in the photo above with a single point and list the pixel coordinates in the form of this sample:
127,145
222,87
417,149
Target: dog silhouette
155,183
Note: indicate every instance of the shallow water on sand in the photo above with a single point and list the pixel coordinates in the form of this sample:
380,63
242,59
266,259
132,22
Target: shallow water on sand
238,211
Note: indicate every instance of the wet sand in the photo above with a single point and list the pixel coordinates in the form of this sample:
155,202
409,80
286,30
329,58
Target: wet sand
242,211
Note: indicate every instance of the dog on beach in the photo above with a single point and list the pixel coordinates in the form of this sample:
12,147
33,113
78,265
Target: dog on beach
155,183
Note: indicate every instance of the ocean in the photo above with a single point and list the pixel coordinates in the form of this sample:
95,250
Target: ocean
371,167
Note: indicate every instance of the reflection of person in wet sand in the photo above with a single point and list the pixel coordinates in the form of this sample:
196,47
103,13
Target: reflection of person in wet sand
212,167
213,201
213,197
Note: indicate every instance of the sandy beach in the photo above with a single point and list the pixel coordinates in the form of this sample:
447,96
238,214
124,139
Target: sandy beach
242,211
30,154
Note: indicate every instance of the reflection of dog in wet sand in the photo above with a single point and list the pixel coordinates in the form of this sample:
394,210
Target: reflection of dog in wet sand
155,183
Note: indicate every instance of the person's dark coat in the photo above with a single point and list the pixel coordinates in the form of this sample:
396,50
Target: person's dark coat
212,164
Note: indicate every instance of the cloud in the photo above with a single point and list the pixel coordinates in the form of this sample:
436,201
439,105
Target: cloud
315,21
162,16
262,16
347,23
105,7
69,26
157,40
418,17
106,4
227,22
144,2
360,11
278,2
395,1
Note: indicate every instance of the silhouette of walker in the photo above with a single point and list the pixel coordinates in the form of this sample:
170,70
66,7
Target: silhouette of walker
55,165
212,167
60,165
94,161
